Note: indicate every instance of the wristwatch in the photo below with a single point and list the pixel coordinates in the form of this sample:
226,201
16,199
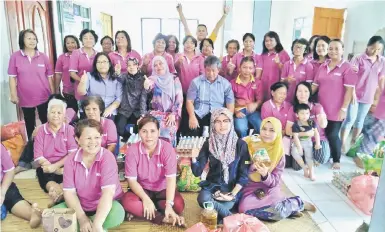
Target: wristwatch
170,202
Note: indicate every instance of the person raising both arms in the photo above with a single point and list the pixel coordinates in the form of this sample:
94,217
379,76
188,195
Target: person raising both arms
202,28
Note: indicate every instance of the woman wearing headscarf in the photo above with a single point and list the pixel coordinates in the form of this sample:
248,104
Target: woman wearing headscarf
228,159
261,197
167,100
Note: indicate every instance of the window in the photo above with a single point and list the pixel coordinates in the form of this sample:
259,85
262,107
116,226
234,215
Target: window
302,28
173,26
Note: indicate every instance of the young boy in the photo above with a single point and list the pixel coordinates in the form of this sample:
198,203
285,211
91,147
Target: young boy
303,145
10,195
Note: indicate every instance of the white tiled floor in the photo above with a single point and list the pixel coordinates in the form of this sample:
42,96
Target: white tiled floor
336,213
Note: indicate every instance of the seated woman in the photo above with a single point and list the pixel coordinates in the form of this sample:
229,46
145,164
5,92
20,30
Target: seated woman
261,197
134,99
206,47
152,194
167,100
91,182
248,97
228,158
54,140
93,107
101,82
10,196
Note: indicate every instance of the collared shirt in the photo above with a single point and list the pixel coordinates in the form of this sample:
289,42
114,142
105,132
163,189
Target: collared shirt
116,57
32,75
134,97
271,71
269,109
208,96
80,62
369,75
54,147
109,90
246,93
302,72
62,67
238,58
316,66
6,164
189,69
89,182
331,86
166,56
379,113
110,134
151,173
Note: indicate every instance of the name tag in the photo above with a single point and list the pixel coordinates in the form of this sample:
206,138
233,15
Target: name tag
247,162
104,135
312,116
65,139
41,65
337,74
302,72
159,165
254,86
98,174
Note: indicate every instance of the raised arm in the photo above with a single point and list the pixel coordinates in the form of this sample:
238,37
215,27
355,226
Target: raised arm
183,19
220,23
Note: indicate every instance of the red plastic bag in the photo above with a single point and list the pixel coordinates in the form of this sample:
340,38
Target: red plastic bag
362,192
199,227
10,130
243,223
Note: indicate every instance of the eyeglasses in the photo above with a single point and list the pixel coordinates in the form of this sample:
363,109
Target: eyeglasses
102,62
226,121
299,47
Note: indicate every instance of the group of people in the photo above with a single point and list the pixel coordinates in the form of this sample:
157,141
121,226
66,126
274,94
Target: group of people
297,105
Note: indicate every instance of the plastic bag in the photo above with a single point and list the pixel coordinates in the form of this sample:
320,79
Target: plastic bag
243,223
10,130
353,149
370,163
362,192
379,150
199,227
186,179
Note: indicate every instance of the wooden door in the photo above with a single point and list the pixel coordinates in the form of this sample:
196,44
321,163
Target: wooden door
106,24
328,21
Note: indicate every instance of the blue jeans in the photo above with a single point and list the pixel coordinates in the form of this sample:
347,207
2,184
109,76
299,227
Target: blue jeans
355,116
242,124
222,207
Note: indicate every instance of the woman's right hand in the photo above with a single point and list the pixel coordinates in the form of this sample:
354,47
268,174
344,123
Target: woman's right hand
14,99
85,224
118,68
148,209
147,83
239,114
193,123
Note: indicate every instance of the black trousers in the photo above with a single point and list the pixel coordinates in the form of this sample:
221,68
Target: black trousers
121,122
71,102
30,117
332,133
205,121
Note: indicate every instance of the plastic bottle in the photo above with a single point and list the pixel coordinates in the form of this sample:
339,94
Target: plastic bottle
205,132
209,215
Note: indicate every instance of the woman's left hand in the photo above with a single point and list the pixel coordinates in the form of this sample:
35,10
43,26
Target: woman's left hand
341,115
169,213
252,107
97,228
219,196
261,169
170,120
51,168
108,111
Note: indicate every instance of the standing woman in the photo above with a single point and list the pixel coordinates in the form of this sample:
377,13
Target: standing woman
107,44
31,79
102,82
172,46
81,60
312,46
370,69
206,47
71,43
248,50
298,69
123,51
320,53
232,48
159,44
335,76
273,57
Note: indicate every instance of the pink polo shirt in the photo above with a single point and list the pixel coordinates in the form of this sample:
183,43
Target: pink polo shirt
110,134
238,58
32,75
166,56
62,67
245,94
302,72
271,72
269,109
151,172
89,182
316,109
369,75
189,69
54,147
380,109
223,72
80,62
6,164
316,66
116,56
331,86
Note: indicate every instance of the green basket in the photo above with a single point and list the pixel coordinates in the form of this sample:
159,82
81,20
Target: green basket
353,150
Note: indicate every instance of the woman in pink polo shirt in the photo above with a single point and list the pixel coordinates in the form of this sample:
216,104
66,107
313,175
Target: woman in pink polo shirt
159,44
93,107
312,47
151,167
248,50
91,183
206,47
320,53
232,48
81,59
273,57
62,72
370,68
30,79
10,197
123,51
248,98
279,108
167,98
172,46
335,82
297,69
